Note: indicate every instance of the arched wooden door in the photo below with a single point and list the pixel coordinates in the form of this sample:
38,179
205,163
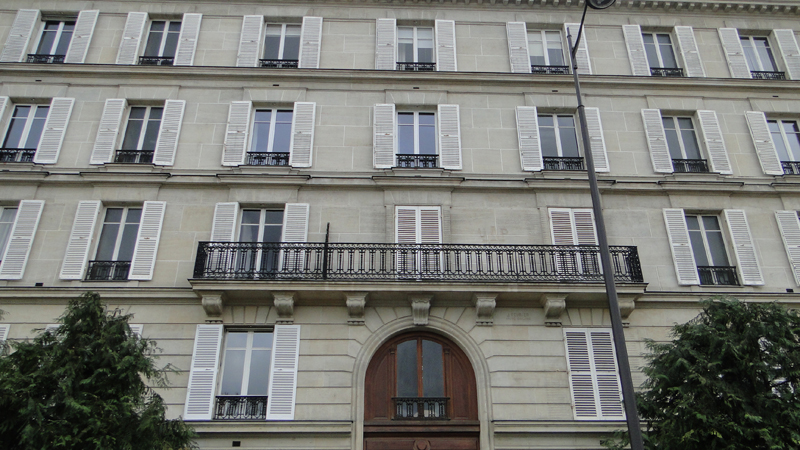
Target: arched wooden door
420,394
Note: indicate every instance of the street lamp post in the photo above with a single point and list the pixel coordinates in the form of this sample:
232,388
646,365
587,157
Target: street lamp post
628,395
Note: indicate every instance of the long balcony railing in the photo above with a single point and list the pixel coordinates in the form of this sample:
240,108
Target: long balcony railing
431,408
550,70
278,63
267,159
666,71
718,275
418,161
45,59
412,262
690,165
134,156
791,167
417,66
759,75
17,154
108,270
156,60
230,407
562,163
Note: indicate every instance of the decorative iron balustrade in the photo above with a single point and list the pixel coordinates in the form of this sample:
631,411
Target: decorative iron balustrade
666,71
17,154
417,66
550,70
418,161
791,167
689,165
134,156
278,63
412,262
759,75
559,163
718,275
45,59
240,408
420,408
267,159
156,60
108,270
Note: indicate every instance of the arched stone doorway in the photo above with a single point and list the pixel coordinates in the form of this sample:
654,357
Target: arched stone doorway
420,394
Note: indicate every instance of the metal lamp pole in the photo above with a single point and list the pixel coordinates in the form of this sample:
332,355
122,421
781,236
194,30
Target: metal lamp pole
628,396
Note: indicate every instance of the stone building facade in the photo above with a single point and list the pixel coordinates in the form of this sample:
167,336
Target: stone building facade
363,224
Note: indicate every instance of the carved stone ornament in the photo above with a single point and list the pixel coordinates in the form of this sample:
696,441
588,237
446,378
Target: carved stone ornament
484,307
284,305
627,304
420,307
213,303
554,305
356,301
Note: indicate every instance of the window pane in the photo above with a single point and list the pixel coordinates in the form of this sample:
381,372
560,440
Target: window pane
6,223
673,144
427,139
35,131
405,133
258,382
717,248
690,144
569,141
765,54
405,52
154,38
793,135
555,52
232,372
425,55
283,137
134,128
261,131
650,50
750,54
272,45
407,369
153,126
536,49
248,233
236,339
425,45
134,215
66,37
48,37
107,242
172,39
432,369
291,47
128,242
16,127
547,134
667,54
780,146
262,339
251,216
272,233
698,248
273,217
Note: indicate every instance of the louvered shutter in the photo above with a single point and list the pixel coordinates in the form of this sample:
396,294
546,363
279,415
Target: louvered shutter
136,329
562,229
582,55
233,152
80,240
657,141
386,39
609,389
131,38
789,225
446,46
581,383
20,240
449,137
108,131
3,104
54,129
787,45
302,142
406,224
636,52
283,372
715,144
682,256
530,147
203,375
430,225
167,143
595,128
687,46
744,247
310,42
81,37
187,39
734,53
295,222
144,254
585,233
250,41
762,140
517,34
4,332
383,154
16,45
223,228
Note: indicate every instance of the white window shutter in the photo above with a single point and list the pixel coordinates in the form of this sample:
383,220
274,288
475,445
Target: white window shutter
517,34
687,47
81,37
636,52
530,146
187,39
295,222
595,128
585,233
4,102
609,388
562,229
787,45
250,41
734,53
4,332
223,228
310,43
80,240
789,225
682,255
762,140
20,240
386,39
430,225
15,49
446,46
383,154
657,141
283,370
235,147
136,329
54,129
202,387
715,144
744,247
406,224
302,142
449,137
131,38
144,254
167,143
581,379
582,55
108,131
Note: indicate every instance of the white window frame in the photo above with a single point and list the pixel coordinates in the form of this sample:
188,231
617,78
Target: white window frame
415,43
28,123
559,147
261,221
3,245
281,46
416,126
163,37
679,130
703,232
143,131
758,57
61,23
120,231
784,137
543,34
272,123
658,49
247,358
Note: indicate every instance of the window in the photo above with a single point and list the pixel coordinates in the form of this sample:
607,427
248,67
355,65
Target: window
559,142
547,52
7,216
708,247
162,41
683,146
281,45
416,140
786,137
278,46
54,42
24,133
415,49
271,138
116,245
678,143
758,53
244,384
54,38
660,55
263,228
141,135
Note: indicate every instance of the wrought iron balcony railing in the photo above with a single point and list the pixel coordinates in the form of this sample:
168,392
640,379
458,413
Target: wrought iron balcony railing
550,70
45,59
412,262
418,161
417,66
431,408
559,163
759,75
718,275
267,159
278,63
791,167
689,165
108,270
666,71
156,60
17,154
134,156
230,407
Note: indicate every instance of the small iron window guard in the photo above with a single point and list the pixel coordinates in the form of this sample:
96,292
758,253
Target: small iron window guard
791,167
718,275
550,70
234,407
278,63
156,60
134,156
45,59
17,154
758,75
418,161
417,66
666,71
560,163
689,165
426,408
266,159
108,270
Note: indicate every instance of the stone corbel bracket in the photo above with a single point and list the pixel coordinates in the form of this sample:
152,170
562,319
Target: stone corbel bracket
554,305
627,303
484,302
213,302
356,301
284,305
420,307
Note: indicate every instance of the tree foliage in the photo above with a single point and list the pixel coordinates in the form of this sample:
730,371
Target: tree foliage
85,385
728,380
